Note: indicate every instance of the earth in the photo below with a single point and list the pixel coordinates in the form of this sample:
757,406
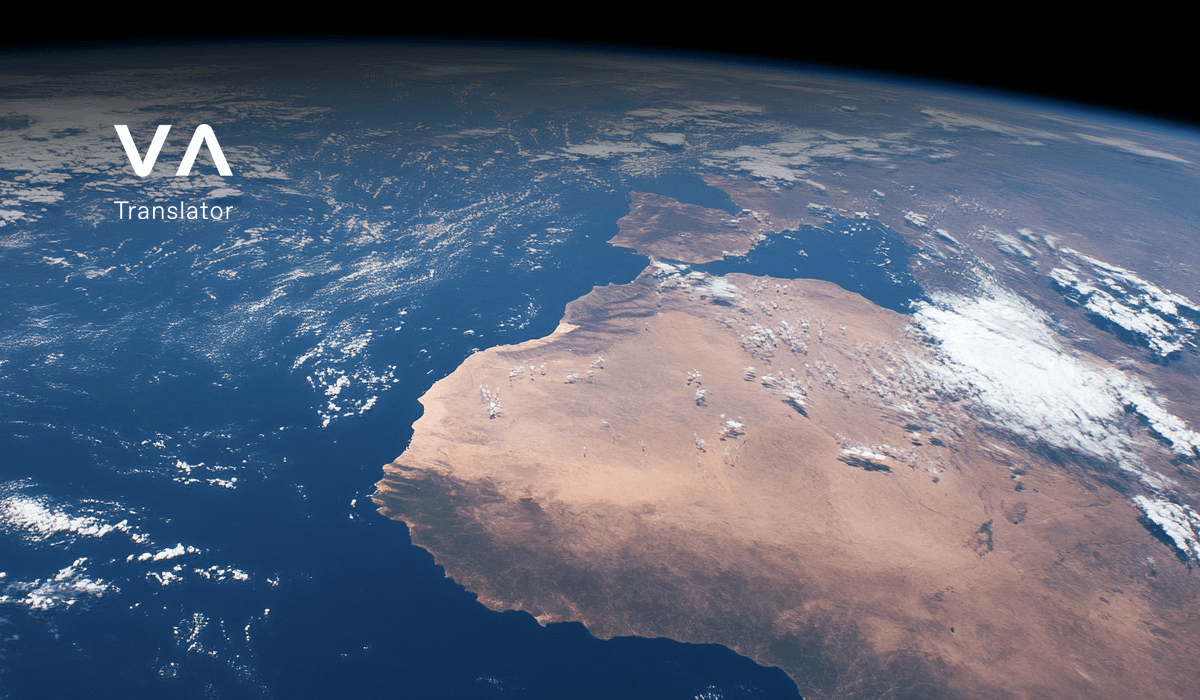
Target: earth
535,373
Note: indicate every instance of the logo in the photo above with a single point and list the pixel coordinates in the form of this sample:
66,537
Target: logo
204,136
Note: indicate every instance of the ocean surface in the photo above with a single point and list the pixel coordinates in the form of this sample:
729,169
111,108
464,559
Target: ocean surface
859,255
195,414
194,424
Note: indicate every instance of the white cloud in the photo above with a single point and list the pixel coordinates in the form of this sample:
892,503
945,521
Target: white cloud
39,522
787,159
66,588
604,149
1000,350
1181,523
1131,147
953,121
1157,316
669,139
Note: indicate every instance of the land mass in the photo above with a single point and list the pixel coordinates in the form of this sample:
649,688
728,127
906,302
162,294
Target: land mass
663,227
758,463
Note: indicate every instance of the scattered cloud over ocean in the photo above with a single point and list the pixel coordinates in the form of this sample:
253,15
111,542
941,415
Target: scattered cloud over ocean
66,588
37,519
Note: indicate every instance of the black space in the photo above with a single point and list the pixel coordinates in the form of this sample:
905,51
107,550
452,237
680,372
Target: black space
1136,62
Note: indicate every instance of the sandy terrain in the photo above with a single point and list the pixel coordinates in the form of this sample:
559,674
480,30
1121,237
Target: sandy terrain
759,463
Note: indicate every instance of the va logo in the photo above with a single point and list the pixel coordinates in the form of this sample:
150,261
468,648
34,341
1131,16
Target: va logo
204,136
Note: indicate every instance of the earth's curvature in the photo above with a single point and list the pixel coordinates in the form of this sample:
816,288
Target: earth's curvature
888,390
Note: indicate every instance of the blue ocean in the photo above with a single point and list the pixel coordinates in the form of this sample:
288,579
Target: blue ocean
196,412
